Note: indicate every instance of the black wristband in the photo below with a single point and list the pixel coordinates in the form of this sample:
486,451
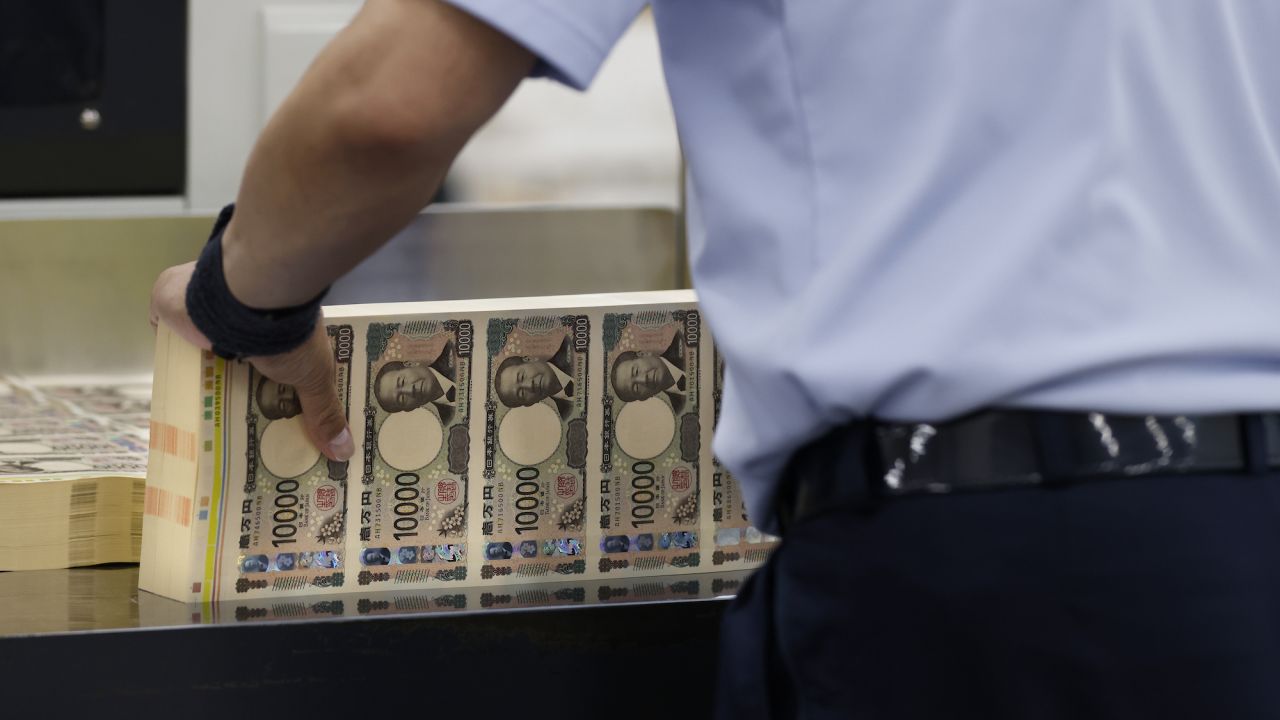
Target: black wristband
235,329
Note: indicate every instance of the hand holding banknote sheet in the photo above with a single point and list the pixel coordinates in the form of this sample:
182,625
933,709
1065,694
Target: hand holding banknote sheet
303,378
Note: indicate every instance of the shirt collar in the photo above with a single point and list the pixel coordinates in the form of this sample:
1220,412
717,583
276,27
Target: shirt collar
564,379
445,385
676,374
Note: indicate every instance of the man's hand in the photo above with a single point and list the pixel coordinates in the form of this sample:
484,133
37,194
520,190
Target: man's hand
309,368
356,150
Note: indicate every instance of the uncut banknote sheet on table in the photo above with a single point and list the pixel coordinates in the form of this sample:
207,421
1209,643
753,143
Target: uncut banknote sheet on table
498,442
73,461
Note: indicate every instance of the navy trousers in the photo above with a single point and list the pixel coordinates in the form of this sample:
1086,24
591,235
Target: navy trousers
1151,597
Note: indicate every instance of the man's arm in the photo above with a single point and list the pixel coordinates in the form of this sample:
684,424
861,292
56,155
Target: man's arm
362,144
355,151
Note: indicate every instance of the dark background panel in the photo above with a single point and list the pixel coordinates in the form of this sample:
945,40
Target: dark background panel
122,62
653,660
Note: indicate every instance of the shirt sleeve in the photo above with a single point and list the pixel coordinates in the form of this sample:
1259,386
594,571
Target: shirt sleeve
570,37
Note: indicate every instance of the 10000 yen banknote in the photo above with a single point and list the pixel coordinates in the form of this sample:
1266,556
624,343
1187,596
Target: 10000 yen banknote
293,515
73,445
737,541
134,422
535,446
18,402
50,427
99,399
19,410
112,405
417,411
652,437
97,388
59,466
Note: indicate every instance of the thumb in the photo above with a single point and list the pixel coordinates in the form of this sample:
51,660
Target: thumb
169,304
322,412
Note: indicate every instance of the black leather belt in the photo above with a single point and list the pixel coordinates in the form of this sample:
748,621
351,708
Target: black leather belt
865,462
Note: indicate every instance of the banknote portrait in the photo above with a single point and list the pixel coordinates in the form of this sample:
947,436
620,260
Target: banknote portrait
642,374
524,380
405,385
277,401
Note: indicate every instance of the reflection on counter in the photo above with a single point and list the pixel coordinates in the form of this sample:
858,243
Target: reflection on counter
107,598
56,601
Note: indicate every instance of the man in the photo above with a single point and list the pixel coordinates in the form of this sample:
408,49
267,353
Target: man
375,556
640,375
990,246
404,385
521,381
498,551
277,401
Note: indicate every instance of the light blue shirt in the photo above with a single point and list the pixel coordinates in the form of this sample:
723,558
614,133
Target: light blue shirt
911,209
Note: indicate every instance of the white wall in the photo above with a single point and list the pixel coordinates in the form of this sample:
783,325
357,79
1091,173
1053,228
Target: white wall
615,143
229,80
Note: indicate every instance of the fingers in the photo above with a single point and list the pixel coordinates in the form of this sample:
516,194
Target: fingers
169,304
310,370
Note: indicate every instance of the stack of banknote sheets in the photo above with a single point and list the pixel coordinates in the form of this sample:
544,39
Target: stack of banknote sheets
73,458
498,442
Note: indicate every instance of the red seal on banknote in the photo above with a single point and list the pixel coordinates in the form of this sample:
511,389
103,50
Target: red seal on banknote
446,492
566,485
681,478
326,497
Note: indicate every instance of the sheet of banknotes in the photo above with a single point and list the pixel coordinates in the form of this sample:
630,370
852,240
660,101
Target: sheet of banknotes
73,458
501,442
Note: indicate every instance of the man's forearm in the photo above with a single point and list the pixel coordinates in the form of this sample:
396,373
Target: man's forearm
362,144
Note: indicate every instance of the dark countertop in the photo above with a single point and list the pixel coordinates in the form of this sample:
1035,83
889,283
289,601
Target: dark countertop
86,639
